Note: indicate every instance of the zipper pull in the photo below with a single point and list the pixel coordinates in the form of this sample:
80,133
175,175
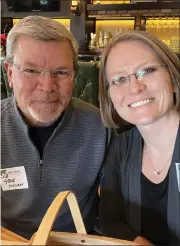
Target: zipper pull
41,162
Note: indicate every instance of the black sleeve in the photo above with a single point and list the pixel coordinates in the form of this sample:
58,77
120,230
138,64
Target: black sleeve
112,202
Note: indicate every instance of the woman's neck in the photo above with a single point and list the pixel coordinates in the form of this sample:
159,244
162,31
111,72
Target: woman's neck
161,135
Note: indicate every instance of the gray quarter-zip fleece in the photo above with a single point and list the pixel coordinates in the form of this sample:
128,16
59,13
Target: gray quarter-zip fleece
72,160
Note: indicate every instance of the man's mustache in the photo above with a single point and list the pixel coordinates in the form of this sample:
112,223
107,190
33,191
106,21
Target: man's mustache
45,96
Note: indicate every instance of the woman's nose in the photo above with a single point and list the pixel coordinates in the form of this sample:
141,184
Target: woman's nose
135,85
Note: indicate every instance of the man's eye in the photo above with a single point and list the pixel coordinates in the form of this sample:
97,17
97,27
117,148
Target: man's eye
30,71
61,73
119,80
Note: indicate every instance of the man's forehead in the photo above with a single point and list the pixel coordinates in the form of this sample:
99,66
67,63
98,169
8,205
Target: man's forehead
41,55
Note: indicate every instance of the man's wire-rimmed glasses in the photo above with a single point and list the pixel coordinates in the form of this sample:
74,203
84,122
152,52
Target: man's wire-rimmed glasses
58,74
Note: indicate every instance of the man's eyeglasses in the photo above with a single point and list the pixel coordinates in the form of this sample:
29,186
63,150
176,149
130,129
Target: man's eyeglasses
58,74
141,75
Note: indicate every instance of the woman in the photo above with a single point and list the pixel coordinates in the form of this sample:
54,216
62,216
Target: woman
140,196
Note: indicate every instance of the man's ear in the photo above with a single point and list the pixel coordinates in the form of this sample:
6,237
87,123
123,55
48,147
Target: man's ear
9,74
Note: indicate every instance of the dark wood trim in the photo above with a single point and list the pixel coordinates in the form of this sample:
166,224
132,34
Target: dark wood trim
19,15
133,6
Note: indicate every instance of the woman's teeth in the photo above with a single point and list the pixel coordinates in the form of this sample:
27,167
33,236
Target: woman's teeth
140,103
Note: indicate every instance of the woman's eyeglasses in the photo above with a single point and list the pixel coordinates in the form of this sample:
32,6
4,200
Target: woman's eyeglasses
141,75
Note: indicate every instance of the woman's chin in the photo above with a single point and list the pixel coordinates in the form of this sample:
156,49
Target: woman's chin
144,121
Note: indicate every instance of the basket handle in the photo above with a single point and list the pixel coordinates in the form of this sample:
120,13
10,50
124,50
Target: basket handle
47,222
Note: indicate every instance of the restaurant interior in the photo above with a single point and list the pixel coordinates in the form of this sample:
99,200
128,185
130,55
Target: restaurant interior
93,24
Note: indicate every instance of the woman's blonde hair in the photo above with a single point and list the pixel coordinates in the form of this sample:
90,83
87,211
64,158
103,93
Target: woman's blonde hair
39,28
163,52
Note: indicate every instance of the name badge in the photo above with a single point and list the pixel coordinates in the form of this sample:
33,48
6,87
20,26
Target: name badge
178,174
13,178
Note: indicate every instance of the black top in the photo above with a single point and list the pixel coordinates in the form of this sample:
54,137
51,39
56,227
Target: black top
154,199
40,135
121,201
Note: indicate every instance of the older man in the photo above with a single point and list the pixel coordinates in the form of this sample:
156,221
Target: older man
51,142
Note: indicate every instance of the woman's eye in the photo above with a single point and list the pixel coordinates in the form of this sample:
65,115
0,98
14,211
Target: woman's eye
149,70
146,71
119,80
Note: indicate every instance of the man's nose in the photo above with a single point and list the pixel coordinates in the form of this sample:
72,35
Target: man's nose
47,82
135,85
